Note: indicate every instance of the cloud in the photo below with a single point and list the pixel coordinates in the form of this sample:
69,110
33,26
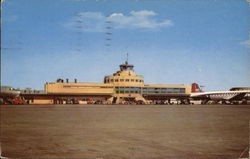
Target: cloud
200,70
246,43
96,21
141,19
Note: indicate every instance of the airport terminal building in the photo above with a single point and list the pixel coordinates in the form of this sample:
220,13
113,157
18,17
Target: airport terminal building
123,87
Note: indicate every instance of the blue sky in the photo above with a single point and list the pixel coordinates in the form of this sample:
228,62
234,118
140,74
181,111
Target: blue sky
168,41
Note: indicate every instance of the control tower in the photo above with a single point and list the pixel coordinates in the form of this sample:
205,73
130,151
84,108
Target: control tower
126,76
126,66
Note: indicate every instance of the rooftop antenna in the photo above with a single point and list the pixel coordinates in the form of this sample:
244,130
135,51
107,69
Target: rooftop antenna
126,66
126,59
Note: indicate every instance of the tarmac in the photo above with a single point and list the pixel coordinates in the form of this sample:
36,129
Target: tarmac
125,131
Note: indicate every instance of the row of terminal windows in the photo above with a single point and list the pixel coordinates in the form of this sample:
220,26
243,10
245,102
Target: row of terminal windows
148,90
128,90
123,80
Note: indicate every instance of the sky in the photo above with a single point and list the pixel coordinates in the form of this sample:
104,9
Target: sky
168,41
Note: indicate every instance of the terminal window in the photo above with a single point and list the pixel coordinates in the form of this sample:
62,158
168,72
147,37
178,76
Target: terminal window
128,89
153,90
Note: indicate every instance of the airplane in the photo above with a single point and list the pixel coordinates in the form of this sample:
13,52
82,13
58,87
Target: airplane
7,94
231,96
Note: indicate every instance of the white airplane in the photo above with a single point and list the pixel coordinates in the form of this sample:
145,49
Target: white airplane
217,96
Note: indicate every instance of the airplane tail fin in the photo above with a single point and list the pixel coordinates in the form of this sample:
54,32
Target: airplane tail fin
195,88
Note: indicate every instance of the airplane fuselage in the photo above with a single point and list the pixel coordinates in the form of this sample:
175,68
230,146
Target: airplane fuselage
220,95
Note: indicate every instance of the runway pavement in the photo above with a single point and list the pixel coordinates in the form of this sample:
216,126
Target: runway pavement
125,131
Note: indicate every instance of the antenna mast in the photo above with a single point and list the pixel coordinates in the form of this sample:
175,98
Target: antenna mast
126,66
127,59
